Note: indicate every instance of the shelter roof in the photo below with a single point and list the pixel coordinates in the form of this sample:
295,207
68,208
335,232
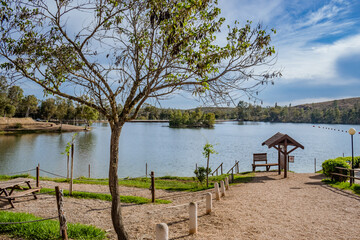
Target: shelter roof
279,138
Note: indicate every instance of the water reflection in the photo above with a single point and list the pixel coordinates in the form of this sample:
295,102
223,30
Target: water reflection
169,151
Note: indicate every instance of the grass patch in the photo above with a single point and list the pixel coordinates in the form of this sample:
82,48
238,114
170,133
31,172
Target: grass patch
106,197
45,230
355,188
170,183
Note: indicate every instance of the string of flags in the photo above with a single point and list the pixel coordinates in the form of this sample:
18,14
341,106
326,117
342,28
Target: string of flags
332,129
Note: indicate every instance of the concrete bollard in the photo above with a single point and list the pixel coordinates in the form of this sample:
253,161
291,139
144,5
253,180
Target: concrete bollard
222,188
227,183
208,203
162,231
217,192
193,218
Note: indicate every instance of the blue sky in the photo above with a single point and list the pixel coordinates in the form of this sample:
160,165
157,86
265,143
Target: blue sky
318,46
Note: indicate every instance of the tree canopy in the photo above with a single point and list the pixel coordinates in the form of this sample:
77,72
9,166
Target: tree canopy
120,54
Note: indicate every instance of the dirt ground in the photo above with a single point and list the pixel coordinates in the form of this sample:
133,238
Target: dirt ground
270,207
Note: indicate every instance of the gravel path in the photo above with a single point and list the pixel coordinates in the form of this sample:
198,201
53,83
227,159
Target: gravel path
270,207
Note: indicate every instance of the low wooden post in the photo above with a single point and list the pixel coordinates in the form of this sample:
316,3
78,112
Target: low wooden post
208,203
38,175
196,166
217,192
152,187
315,164
61,212
232,175
221,169
227,183
162,231
192,218
237,167
72,170
217,174
146,170
222,187
89,170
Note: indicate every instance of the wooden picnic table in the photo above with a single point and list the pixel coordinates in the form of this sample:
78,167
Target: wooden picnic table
7,188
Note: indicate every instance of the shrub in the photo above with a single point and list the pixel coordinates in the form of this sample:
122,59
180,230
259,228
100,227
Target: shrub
18,125
329,167
200,173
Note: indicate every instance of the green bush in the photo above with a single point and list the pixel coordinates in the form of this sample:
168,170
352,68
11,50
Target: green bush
329,167
200,173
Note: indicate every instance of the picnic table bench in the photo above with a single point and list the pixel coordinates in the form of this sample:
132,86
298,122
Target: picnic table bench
261,157
17,183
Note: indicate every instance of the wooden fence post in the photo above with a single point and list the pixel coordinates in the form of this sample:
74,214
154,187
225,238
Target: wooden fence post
152,187
217,192
89,170
162,231
222,187
208,203
38,175
221,169
61,212
146,170
72,170
193,218
67,172
232,175
315,164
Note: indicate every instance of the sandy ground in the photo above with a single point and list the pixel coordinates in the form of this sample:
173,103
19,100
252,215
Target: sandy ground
270,207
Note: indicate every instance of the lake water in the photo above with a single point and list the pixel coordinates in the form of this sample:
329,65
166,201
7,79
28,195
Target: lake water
169,151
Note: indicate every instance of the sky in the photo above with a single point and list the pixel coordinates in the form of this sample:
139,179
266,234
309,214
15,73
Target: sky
318,47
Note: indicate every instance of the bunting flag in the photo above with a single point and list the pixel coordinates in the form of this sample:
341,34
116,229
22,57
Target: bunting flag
332,129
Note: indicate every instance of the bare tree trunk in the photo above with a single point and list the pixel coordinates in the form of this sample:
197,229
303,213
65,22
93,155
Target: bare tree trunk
113,182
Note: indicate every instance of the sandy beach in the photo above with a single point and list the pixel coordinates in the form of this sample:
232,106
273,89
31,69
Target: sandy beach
270,207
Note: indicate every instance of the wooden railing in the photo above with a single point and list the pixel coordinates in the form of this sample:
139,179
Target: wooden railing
351,176
236,166
217,169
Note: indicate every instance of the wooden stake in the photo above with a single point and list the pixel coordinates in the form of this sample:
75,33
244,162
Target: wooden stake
146,170
217,192
208,203
192,218
37,175
67,172
221,169
152,187
89,170
72,169
61,212
162,231
222,187
227,183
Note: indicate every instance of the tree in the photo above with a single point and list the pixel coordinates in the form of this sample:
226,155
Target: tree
48,108
61,109
129,52
89,114
15,95
208,149
29,105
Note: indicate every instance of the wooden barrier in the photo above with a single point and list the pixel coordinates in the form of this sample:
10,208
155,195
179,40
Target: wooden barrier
38,175
61,212
227,183
222,187
208,203
217,192
162,231
192,218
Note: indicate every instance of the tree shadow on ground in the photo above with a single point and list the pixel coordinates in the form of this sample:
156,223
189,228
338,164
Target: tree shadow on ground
181,221
318,176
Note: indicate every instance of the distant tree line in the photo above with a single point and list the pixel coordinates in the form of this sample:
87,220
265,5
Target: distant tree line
314,113
191,119
13,103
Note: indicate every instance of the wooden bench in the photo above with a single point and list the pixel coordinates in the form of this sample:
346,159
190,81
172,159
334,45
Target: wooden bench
261,157
17,184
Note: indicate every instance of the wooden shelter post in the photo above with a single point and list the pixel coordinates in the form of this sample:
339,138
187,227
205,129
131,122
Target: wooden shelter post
279,154
286,158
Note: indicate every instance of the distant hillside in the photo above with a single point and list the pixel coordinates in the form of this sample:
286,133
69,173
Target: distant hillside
341,104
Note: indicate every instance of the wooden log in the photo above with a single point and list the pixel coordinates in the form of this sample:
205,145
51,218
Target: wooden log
217,192
162,231
152,187
192,218
208,203
222,188
61,212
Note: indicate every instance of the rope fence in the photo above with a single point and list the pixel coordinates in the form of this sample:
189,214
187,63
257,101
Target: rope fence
51,173
21,172
39,220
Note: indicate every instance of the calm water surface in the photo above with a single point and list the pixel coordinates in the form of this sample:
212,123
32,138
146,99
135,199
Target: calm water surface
171,151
